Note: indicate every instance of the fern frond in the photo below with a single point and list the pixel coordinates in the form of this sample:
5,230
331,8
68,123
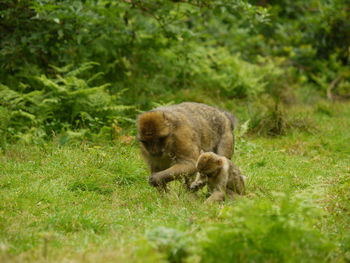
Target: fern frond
88,91
4,118
116,108
35,97
64,69
127,119
10,96
84,67
21,113
51,85
97,75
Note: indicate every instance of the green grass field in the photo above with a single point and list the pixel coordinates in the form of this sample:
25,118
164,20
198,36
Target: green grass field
92,203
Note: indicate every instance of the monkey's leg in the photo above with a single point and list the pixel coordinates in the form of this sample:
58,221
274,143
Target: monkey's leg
174,172
241,185
226,145
217,196
231,194
236,183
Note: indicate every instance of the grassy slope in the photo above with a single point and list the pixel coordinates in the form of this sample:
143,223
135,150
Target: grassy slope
93,204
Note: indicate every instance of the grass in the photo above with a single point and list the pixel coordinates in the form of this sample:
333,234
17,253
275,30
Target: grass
86,203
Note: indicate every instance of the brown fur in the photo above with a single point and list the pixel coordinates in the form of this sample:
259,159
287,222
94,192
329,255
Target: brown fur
171,137
221,175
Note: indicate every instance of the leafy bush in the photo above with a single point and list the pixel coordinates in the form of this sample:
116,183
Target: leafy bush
277,119
283,230
169,241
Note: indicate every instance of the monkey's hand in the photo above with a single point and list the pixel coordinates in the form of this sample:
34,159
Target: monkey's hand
196,185
175,172
157,180
154,180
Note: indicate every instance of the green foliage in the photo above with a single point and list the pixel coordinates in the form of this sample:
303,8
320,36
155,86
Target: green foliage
218,71
313,36
164,51
265,231
275,119
56,104
86,203
170,242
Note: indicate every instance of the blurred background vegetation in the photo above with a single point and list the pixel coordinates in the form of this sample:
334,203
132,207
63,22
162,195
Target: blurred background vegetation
85,68
78,72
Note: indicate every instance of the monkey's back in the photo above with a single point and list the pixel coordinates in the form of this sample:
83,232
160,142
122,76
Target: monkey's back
208,123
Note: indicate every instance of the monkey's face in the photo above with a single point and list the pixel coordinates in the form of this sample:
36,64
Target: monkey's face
155,146
153,132
208,163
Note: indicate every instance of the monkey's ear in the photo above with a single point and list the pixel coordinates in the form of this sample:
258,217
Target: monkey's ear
220,162
170,119
201,151
167,117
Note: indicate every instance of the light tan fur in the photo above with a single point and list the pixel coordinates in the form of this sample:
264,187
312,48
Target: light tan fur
171,137
221,176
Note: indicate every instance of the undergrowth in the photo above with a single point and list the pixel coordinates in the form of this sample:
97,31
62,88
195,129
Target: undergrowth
91,202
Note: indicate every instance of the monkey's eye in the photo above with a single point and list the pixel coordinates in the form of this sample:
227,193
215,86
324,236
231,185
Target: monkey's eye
143,141
162,139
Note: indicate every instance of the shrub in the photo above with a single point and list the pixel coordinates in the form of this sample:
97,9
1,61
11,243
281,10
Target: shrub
169,241
283,230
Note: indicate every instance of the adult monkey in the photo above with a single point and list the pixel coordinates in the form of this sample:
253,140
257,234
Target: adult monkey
171,138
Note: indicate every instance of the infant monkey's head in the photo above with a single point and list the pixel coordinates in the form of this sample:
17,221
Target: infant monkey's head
209,162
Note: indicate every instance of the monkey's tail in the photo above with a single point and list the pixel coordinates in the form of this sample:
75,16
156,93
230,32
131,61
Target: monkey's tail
232,118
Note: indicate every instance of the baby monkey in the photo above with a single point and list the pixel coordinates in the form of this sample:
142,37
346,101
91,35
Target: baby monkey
221,175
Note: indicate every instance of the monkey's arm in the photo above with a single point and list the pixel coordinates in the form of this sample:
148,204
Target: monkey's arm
174,172
199,183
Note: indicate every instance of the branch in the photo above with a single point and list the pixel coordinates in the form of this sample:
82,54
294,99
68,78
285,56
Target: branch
300,66
332,85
